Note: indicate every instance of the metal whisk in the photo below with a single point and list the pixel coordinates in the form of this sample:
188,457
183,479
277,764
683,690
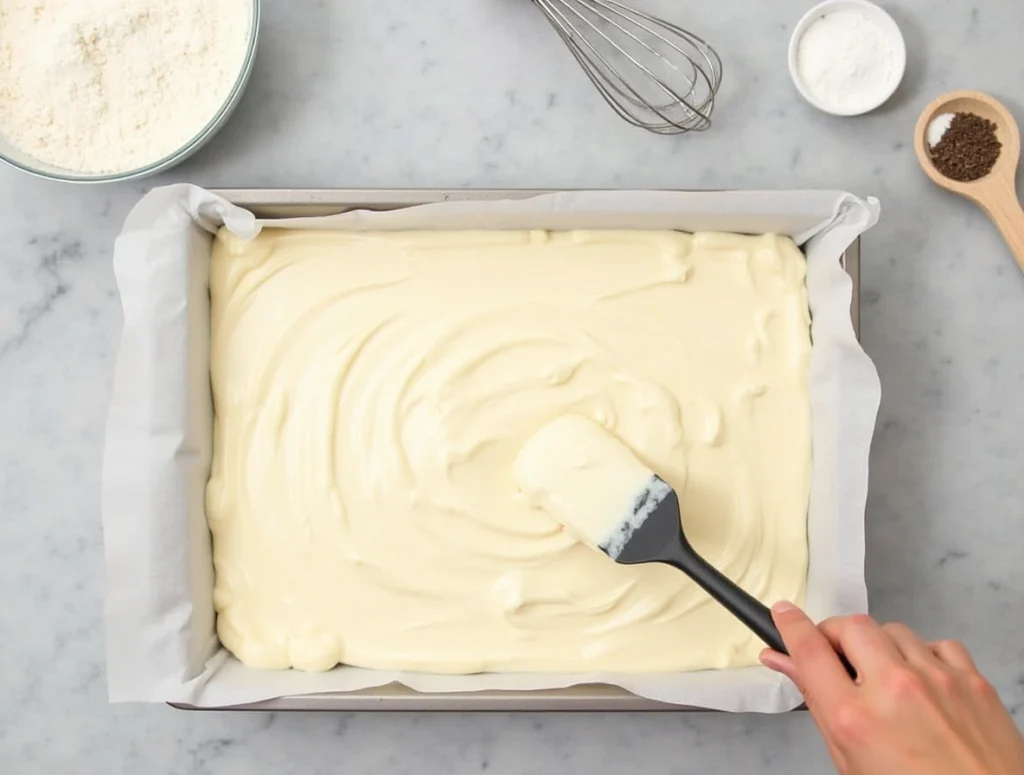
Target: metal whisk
653,73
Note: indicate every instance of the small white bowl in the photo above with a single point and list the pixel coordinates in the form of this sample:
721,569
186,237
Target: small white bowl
872,11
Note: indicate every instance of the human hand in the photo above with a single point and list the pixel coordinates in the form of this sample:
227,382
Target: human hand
914,708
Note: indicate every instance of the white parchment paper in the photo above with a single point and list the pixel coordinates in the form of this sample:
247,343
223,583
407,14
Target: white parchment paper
161,639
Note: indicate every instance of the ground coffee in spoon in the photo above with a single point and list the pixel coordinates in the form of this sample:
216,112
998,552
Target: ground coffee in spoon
968,149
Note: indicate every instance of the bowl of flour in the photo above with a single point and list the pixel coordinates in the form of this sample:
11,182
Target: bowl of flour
110,90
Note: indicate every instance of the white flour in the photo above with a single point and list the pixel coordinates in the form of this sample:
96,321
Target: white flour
105,86
846,61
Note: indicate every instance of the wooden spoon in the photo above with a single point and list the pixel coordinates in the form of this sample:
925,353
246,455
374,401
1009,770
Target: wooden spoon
996,193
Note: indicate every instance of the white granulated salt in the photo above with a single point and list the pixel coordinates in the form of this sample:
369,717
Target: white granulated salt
846,61
106,86
937,128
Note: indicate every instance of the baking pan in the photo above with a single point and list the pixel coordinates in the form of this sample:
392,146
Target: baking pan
288,203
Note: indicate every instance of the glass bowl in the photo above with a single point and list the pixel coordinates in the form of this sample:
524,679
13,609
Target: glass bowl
27,163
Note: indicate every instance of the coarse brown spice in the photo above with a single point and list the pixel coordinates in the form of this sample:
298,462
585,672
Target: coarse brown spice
968,150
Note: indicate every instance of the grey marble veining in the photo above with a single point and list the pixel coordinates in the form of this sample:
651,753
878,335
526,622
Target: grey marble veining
450,93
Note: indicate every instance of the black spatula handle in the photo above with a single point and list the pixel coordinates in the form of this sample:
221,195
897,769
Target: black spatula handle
745,607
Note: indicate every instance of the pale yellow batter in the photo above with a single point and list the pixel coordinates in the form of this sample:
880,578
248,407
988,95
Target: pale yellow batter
373,391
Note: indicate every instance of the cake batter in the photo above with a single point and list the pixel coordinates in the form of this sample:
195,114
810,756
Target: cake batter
373,390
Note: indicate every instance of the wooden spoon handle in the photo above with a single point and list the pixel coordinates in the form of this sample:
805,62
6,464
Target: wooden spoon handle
1005,210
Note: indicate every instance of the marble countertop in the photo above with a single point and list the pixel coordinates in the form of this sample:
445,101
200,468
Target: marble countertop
455,94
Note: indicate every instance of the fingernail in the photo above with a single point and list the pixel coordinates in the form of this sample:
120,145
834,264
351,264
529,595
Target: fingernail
783,607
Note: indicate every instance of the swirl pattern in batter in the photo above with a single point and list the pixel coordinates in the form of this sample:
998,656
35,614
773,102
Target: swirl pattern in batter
373,390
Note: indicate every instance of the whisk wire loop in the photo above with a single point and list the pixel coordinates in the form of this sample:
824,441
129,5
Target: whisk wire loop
653,73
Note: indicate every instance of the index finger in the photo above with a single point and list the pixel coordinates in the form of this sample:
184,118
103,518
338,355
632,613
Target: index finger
821,673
